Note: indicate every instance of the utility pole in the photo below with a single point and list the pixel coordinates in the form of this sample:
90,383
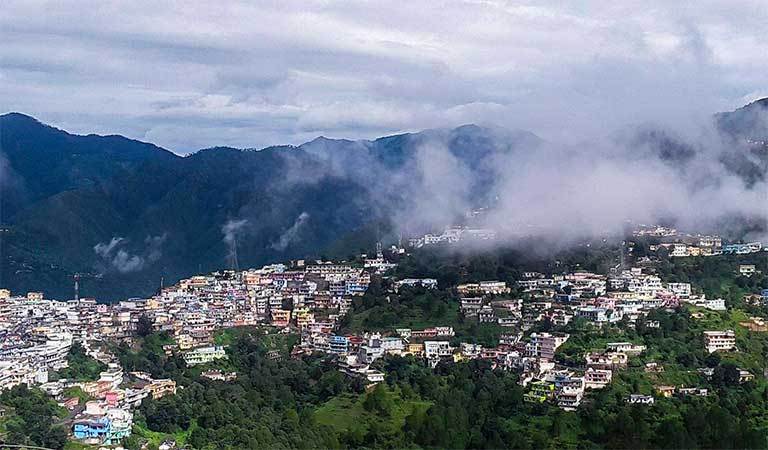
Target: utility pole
77,286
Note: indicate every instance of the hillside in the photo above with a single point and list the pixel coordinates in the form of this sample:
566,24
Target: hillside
125,213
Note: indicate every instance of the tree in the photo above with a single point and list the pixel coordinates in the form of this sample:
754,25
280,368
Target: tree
144,326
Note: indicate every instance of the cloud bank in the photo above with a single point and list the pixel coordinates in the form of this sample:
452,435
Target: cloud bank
193,75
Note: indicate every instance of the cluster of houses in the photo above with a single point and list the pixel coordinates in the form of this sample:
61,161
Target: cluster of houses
36,334
706,246
107,417
678,244
311,299
452,235
567,387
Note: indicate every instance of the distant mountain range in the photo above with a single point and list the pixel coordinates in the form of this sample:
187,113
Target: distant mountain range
124,213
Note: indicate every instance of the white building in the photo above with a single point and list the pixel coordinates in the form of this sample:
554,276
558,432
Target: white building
437,349
720,340
204,355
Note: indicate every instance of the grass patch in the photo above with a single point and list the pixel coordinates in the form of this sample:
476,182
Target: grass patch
155,438
347,413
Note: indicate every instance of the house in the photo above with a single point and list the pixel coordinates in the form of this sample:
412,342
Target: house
640,399
338,344
35,296
97,429
470,306
161,387
569,397
679,250
204,355
697,392
544,345
540,392
597,378
745,376
625,347
428,283
747,270
666,391
606,360
682,290
437,349
483,287
597,314
486,315
720,340
653,367
281,317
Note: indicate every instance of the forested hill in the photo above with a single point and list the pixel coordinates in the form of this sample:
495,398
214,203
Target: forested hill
124,213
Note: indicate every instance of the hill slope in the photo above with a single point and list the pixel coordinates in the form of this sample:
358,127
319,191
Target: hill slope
125,213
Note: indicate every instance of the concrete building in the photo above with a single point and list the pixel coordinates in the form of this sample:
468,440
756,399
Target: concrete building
720,340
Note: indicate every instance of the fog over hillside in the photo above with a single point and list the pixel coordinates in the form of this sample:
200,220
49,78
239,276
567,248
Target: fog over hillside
698,178
129,212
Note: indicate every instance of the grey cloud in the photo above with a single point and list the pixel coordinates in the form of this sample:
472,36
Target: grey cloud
279,74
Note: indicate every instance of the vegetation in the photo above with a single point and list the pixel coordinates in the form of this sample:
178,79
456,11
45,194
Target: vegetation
31,419
81,367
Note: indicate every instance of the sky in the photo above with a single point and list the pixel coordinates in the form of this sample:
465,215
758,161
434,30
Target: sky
194,74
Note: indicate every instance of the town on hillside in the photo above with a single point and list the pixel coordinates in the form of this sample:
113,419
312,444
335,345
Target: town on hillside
564,334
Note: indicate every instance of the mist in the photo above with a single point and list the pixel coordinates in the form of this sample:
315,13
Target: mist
116,255
694,176
290,235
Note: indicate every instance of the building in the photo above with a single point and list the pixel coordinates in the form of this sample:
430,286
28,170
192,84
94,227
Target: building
544,345
437,349
720,340
682,290
96,430
483,287
717,304
160,388
338,344
747,270
640,399
625,347
540,392
597,378
204,355
281,317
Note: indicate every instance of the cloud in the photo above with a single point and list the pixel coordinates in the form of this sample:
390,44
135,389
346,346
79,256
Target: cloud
116,257
239,74
230,230
290,235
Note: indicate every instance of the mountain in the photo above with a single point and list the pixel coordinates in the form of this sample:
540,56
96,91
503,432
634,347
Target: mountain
746,127
124,213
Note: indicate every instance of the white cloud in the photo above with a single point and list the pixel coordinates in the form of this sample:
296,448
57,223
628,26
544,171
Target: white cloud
200,74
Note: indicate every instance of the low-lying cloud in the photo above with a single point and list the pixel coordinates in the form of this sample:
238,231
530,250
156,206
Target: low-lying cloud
116,255
291,234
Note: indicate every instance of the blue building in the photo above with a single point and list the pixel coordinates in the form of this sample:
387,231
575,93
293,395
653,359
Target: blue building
92,429
338,344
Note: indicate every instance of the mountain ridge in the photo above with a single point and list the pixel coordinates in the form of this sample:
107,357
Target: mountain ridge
66,197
